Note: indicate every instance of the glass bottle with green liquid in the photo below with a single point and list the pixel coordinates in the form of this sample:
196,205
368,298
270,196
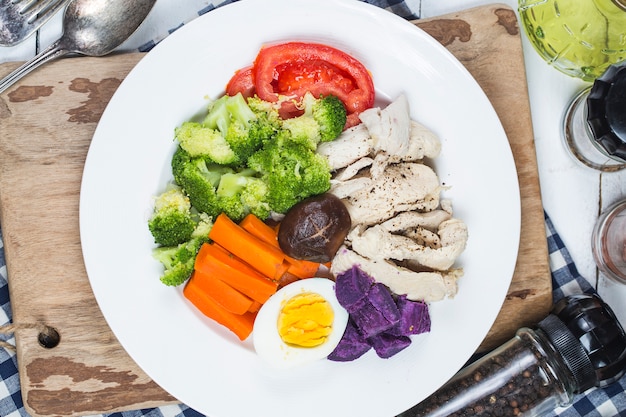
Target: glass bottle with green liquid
581,38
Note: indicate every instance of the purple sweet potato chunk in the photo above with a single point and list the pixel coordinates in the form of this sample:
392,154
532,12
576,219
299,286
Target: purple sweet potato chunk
352,286
369,320
414,317
352,345
376,313
386,345
380,296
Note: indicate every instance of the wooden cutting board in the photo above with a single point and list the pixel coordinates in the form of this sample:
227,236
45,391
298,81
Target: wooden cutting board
46,124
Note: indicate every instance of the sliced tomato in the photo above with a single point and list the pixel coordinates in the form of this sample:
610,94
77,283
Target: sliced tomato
334,67
291,69
311,75
242,82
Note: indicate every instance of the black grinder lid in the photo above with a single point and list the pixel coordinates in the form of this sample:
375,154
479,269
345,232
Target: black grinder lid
606,111
591,340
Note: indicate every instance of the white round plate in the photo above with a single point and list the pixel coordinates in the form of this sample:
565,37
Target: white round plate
204,365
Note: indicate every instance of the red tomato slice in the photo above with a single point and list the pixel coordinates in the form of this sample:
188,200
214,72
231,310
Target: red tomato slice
337,68
242,82
294,68
309,75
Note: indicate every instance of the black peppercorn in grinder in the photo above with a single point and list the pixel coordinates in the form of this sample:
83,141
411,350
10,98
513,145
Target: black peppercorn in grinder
581,344
595,122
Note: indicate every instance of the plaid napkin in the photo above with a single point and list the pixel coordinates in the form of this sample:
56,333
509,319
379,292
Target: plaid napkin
606,402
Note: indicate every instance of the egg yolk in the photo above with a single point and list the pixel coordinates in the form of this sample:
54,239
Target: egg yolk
305,320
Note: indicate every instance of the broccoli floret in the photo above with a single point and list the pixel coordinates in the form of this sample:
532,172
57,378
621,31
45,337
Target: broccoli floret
292,172
201,141
322,121
178,261
203,226
242,193
255,196
171,222
213,189
243,127
269,121
227,110
198,180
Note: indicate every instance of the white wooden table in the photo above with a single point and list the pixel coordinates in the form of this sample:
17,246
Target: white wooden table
573,195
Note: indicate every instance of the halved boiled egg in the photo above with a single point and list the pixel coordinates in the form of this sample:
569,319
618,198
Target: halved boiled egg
301,323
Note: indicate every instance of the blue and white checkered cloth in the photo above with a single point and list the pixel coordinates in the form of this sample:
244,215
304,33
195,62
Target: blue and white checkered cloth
606,402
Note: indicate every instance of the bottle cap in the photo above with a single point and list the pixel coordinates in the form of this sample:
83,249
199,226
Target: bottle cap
584,329
605,111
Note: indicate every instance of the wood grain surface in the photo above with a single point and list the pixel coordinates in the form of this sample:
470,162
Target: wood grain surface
46,124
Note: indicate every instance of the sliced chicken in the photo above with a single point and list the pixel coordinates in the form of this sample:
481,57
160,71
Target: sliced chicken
446,205
353,144
402,187
380,163
390,128
403,235
426,286
423,237
411,219
378,244
353,169
343,189
423,143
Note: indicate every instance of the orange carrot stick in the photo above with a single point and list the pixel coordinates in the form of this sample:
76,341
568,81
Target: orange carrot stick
222,293
265,258
258,228
256,306
216,261
240,324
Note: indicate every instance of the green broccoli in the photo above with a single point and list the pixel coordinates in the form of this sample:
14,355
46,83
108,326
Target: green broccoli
199,180
322,121
204,223
178,261
214,188
292,172
171,222
242,193
201,141
243,127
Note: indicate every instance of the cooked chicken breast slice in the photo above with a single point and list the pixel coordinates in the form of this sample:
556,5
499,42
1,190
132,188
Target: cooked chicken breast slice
378,244
410,219
423,143
351,145
351,170
390,127
342,189
401,187
425,286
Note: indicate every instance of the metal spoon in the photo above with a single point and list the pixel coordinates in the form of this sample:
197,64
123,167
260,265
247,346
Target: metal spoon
90,27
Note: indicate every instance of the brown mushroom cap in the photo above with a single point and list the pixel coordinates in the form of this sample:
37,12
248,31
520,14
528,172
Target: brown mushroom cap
315,228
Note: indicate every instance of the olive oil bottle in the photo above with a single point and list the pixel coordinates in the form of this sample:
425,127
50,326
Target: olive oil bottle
578,37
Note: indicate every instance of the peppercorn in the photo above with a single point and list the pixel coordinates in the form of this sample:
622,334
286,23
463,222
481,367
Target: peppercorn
537,370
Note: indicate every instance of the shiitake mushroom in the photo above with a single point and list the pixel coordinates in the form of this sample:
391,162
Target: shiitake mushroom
315,228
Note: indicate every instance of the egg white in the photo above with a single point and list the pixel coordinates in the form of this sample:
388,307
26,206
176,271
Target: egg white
267,341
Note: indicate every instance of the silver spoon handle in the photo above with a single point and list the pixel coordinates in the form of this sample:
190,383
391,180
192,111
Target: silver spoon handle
51,52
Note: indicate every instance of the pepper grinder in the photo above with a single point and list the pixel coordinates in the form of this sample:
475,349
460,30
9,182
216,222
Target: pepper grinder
594,126
581,344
